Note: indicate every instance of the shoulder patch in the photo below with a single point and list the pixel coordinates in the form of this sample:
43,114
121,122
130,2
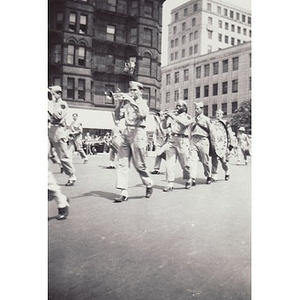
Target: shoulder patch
62,106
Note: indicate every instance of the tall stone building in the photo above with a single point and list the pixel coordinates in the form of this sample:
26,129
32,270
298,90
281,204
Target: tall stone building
100,45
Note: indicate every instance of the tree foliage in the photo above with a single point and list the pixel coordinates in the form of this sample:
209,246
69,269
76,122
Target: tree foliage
242,116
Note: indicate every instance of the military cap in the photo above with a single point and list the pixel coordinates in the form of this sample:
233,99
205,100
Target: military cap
56,88
135,84
241,129
199,104
182,102
219,111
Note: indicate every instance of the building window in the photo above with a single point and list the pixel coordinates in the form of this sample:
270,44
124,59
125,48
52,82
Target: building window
185,94
134,7
215,89
148,11
198,72
245,31
206,91
167,97
147,37
232,28
183,53
209,48
172,44
225,65
195,49
231,14
238,16
83,24
147,64
133,35
224,108
235,63
232,41
216,68
56,81
176,17
183,39
191,36
59,20
109,87
210,20
208,6
249,20
176,76
234,86
70,88
195,7
168,79
176,95
183,26
147,94
225,12
243,18
238,29
198,92
176,42
186,75
195,34
206,70
57,54
250,60
238,41
92,91
226,39
81,56
193,21
234,106
176,55
71,54
209,34
81,89
226,25
110,32
220,37
214,109
174,30
205,110
250,33
185,11
224,87
191,50
250,83
72,22
219,10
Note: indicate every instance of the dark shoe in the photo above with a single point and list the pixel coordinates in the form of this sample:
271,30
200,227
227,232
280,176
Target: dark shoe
85,161
213,180
149,191
61,170
121,199
193,182
70,182
208,180
62,213
168,189
155,172
226,177
188,185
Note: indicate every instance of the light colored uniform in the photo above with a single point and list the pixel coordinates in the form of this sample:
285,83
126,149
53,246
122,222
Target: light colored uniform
178,145
134,144
201,130
54,192
160,140
76,131
243,142
224,160
58,135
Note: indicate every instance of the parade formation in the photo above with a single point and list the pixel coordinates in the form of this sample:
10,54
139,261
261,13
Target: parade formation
179,136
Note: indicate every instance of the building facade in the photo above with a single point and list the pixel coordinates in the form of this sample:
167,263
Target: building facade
100,45
199,27
220,79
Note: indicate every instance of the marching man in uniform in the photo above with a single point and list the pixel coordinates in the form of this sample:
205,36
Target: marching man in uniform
201,137
178,144
76,137
134,141
225,158
57,111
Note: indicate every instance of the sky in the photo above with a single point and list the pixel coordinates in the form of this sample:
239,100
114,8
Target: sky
170,4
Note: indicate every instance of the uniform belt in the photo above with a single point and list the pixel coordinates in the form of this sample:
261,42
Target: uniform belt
56,124
180,135
197,136
140,126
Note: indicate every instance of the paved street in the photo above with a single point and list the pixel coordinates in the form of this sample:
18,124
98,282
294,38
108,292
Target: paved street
185,244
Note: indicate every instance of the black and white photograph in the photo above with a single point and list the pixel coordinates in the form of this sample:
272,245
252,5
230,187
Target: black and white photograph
146,187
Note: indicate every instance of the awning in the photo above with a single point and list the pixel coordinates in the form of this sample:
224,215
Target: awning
94,119
99,119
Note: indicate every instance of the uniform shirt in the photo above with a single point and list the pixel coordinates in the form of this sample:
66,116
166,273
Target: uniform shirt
180,123
58,110
76,128
136,115
205,122
243,141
